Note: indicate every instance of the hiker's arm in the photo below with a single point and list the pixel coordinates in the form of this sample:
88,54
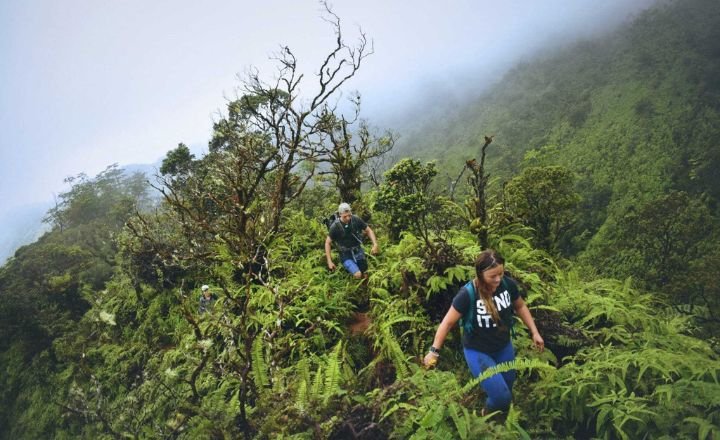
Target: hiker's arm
328,255
451,318
523,312
369,232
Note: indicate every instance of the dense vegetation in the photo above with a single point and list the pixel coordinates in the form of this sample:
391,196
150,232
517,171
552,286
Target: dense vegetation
101,336
634,117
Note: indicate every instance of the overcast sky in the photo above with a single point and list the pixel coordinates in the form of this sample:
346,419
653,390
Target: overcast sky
87,83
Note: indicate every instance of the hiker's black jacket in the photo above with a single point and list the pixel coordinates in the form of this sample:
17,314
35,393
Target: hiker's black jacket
347,236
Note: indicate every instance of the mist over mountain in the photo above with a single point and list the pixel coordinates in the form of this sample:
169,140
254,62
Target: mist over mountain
633,113
459,52
20,226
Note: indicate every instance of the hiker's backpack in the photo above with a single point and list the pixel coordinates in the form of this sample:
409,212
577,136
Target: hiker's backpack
332,218
467,319
329,220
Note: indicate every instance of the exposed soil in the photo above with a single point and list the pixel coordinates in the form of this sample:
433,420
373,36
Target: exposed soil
359,323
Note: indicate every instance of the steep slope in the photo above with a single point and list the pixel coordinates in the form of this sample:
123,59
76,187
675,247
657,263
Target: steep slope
634,114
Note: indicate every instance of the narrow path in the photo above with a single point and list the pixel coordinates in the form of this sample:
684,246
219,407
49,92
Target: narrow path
359,323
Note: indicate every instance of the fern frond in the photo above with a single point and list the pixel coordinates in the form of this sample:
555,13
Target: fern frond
302,370
461,421
259,366
332,377
301,398
433,416
316,390
705,428
512,423
391,349
517,364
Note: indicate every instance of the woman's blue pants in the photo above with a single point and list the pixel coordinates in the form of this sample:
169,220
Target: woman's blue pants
498,387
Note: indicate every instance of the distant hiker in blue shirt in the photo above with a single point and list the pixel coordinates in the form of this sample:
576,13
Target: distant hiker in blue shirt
487,302
347,233
207,299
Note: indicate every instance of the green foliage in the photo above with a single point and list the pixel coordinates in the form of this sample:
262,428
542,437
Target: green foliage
545,200
633,115
626,388
404,196
162,370
661,236
316,394
435,405
178,161
395,330
49,287
101,336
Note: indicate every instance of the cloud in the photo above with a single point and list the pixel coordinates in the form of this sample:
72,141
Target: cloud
87,84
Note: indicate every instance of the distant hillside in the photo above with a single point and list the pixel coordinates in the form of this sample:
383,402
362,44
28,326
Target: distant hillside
634,114
23,225
148,169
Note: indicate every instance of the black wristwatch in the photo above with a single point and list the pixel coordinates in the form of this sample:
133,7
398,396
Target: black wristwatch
434,350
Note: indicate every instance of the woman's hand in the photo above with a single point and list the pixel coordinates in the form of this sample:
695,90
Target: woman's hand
538,342
430,359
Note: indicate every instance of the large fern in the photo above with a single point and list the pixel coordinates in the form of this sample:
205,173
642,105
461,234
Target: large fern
433,404
260,366
517,364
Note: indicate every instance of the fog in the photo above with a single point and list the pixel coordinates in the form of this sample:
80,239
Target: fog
84,84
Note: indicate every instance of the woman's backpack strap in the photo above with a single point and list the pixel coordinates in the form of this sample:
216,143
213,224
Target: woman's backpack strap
467,318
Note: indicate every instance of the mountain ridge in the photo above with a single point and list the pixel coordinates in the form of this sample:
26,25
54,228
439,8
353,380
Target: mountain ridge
633,114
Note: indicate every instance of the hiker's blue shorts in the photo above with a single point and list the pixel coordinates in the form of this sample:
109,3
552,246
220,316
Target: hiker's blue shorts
498,387
354,261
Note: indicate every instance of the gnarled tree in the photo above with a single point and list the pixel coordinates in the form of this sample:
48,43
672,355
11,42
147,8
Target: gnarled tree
227,206
350,151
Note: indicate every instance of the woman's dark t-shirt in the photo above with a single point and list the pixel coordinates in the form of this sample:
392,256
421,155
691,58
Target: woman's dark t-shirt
488,336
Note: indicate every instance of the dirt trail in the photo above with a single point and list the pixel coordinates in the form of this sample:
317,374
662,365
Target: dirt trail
359,323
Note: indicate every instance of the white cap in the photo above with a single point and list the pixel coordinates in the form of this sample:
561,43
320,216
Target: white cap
204,287
344,207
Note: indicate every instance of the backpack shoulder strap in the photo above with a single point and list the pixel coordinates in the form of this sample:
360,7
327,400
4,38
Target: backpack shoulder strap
329,221
470,286
353,231
468,316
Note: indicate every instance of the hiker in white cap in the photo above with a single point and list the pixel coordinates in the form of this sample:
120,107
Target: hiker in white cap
347,232
207,299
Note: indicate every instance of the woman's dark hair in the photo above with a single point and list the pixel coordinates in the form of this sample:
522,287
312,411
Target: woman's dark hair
488,259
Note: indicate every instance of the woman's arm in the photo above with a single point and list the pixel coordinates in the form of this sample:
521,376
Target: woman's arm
451,318
523,312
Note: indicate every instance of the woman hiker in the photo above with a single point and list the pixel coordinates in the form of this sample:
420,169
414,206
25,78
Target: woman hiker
486,338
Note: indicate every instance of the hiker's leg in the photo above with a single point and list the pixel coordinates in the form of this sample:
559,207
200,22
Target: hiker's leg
363,293
498,393
352,268
507,354
363,266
